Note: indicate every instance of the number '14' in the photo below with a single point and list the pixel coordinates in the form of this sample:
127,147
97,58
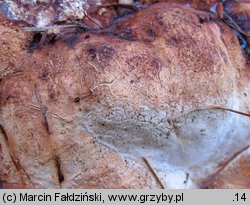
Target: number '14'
240,197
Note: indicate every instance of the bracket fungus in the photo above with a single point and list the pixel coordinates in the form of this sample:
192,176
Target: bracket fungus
158,99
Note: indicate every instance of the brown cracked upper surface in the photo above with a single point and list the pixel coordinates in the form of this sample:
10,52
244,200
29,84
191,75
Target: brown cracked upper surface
70,110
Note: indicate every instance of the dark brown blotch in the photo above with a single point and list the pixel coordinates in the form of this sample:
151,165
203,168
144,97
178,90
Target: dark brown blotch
103,55
150,32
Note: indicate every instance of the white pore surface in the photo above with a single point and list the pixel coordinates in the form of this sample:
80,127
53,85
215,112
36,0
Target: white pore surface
192,144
